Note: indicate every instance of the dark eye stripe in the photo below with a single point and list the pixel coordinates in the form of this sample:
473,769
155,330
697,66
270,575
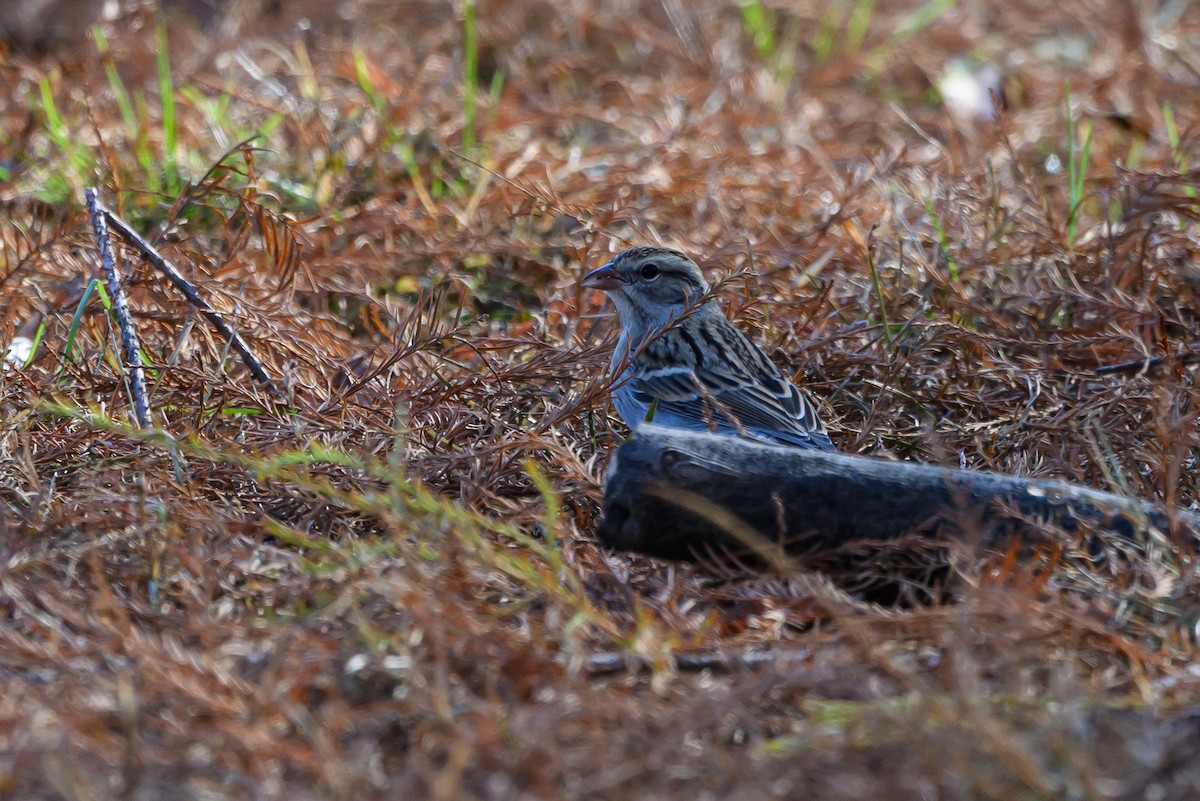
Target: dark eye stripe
631,261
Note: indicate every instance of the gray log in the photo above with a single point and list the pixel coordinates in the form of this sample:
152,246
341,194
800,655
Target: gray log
680,495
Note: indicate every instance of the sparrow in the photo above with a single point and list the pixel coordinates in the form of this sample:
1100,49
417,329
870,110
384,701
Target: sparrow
684,364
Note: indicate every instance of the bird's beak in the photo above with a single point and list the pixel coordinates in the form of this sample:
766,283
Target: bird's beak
604,278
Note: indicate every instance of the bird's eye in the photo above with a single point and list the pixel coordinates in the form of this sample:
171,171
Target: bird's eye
649,272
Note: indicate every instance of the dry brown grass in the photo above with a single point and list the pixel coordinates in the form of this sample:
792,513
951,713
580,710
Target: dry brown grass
358,589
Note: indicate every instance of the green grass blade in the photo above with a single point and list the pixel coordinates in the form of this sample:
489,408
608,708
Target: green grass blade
1172,129
921,19
73,329
470,75
124,104
951,264
860,21
883,314
362,73
1077,162
166,89
37,341
756,24
1181,161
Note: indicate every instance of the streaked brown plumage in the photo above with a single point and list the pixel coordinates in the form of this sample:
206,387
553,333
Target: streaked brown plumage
698,370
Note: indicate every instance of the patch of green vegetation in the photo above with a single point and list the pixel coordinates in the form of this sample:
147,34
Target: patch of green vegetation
166,92
943,243
879,293
842,34
858,24
1181,160
416,517
470,75
759,24
76,167
134,127
1077,164
69,353
392,137
908,27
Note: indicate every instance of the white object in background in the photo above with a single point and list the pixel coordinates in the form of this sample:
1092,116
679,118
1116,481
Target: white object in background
971,91
17,353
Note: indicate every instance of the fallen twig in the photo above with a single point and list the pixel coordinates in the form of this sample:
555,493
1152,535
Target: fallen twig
130,347
614,662
159,262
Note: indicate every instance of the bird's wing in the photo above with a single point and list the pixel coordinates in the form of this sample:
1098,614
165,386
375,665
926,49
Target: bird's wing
761,401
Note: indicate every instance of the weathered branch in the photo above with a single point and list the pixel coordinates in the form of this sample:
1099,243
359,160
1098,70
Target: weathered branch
616,662
189,292
680,495
131,349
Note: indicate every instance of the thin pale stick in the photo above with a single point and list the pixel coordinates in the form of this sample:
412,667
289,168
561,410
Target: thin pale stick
130,347
159,262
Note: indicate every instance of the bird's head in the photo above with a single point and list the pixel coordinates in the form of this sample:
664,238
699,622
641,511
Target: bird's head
649,285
